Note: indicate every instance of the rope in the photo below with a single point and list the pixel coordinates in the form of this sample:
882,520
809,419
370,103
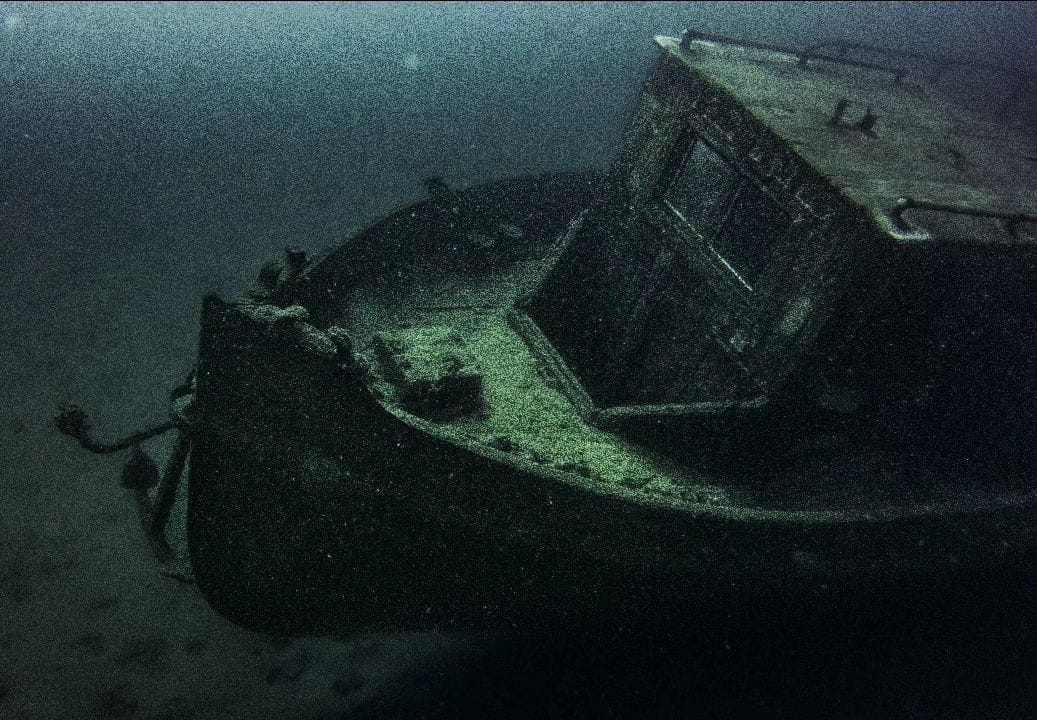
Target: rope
75,423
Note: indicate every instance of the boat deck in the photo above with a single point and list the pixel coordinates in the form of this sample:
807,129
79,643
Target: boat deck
854,471
527,416
524,415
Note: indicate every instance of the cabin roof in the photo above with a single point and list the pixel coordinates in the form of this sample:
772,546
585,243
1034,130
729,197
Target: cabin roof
924,148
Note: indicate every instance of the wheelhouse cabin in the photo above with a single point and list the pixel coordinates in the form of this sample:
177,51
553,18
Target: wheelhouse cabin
788,228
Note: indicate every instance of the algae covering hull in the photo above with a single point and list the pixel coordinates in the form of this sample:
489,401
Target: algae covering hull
317,504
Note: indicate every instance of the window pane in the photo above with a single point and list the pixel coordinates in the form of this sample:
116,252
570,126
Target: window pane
753,226
700,190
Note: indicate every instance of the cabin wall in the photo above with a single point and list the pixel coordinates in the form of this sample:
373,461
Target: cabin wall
640,311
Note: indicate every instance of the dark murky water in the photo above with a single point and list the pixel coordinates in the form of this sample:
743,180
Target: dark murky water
151,153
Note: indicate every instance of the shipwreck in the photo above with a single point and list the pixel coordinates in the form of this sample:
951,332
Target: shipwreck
787,342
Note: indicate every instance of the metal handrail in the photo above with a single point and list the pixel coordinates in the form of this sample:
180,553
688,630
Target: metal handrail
1011,220
836,51
802,55
942,62
940,65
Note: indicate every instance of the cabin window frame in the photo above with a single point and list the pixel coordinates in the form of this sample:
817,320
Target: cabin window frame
693,240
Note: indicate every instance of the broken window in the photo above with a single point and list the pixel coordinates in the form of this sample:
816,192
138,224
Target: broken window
751,228
734,217
701,189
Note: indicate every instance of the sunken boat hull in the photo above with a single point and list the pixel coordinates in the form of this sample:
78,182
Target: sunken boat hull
317,501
